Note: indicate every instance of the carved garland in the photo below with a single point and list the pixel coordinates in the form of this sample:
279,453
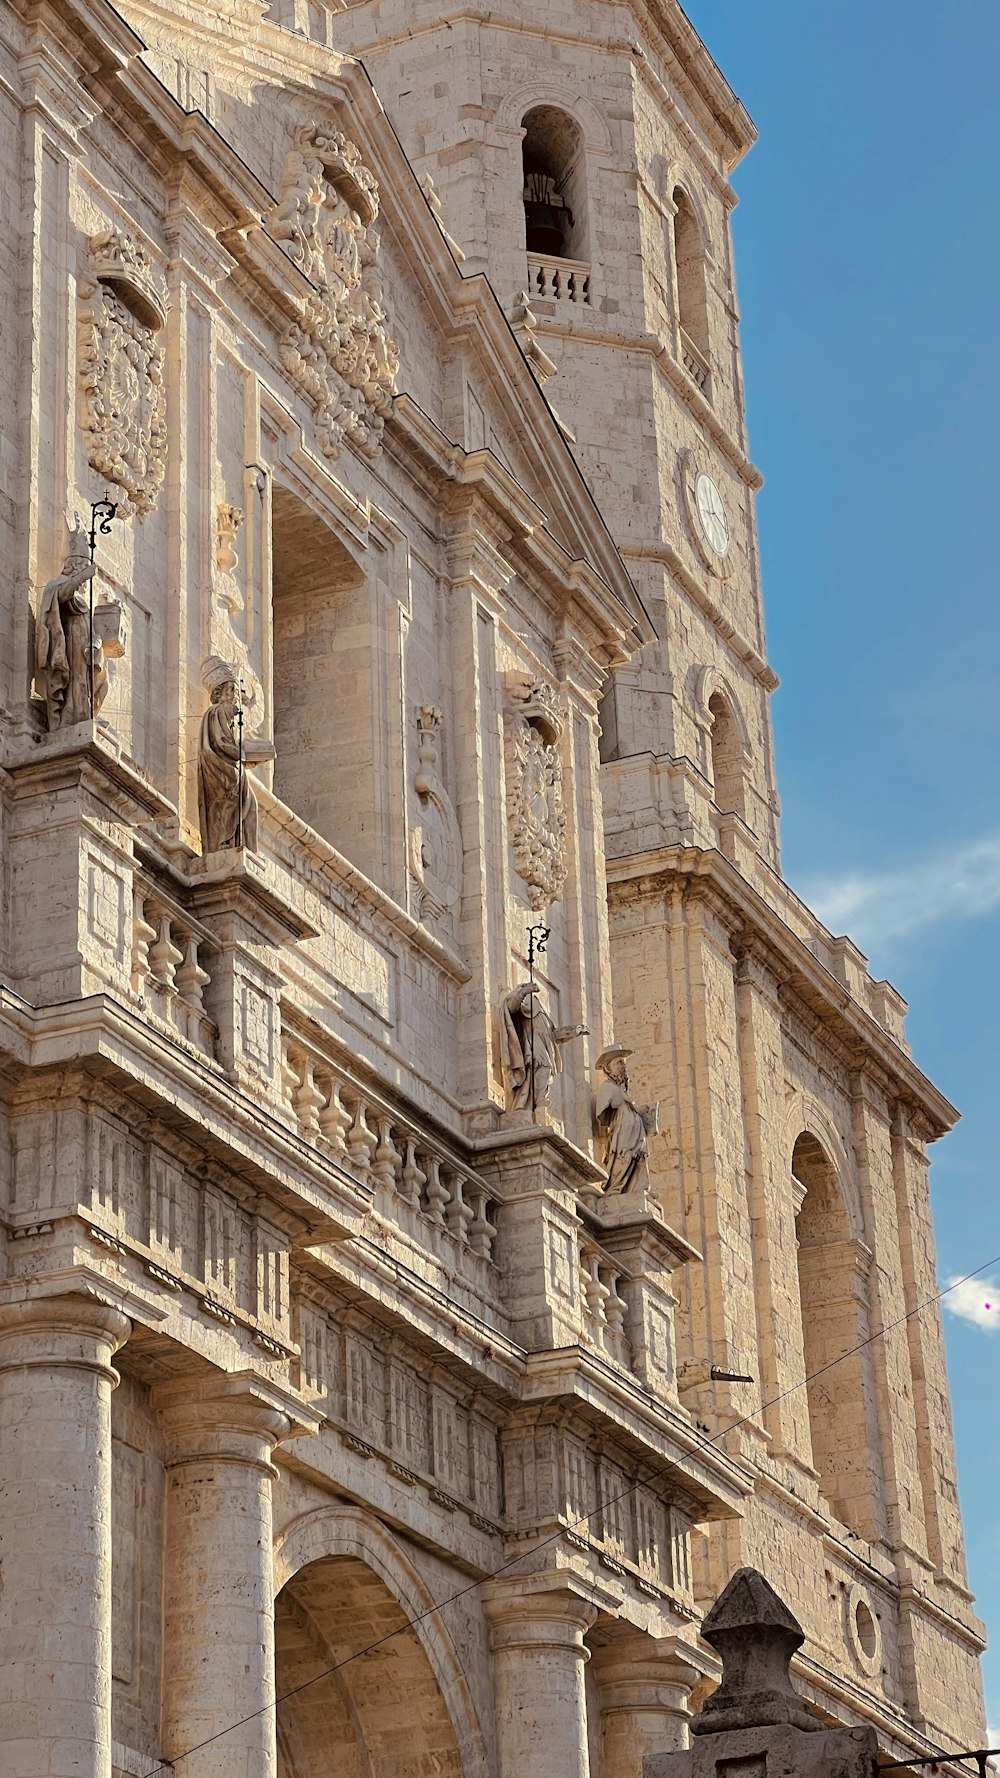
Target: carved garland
535,807
120,366
339,352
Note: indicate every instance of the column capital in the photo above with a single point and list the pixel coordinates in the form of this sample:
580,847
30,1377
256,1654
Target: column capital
634,1669
538,1611
235,1416
78,1328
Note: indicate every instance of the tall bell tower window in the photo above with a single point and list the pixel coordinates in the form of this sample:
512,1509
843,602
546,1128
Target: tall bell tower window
727,758
692,292
554,193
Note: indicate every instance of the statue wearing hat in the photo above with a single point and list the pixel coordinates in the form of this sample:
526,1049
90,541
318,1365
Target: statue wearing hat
625,1125
227,807
69,668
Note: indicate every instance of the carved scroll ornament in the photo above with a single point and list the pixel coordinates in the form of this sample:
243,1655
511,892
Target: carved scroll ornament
120,365
535,807
339,352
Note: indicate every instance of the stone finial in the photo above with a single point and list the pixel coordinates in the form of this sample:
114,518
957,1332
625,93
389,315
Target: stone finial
756,1636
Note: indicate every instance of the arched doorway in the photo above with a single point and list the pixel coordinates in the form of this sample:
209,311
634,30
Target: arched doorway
382,1714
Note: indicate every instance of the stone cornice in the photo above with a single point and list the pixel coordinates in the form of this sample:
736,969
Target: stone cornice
753,923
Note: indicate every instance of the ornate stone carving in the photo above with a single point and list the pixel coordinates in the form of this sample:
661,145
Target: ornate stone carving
435,838
228,521
339,351
120,366
70,665
227,807
624,1125
535,807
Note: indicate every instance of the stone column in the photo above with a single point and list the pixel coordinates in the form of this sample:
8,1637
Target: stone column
537,1626
56,1380
644,1683
218,1648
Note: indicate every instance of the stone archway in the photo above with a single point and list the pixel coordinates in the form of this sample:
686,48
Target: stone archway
381,1715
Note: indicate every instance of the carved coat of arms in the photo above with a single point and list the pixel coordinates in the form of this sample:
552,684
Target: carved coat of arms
535,807
120,365
339,350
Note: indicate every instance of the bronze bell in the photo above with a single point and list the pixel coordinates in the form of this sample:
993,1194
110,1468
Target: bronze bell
545,229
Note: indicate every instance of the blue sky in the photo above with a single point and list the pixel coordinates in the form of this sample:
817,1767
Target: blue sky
868,254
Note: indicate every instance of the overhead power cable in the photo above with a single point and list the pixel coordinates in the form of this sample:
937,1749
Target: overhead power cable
172,1766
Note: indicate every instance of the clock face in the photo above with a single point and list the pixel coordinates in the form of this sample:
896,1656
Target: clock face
711,514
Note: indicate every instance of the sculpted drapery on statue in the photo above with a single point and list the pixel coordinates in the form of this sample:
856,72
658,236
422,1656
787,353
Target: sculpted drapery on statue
64,654
227,807
624,1124
530,1046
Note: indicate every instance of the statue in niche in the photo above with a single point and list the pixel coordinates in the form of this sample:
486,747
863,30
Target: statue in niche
624,1125
66,660
227,807
531,1047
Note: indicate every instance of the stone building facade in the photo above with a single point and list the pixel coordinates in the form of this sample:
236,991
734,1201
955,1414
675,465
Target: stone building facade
422,1096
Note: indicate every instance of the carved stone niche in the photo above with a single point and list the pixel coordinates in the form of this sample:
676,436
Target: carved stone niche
536,811
435,836
338,351
120,367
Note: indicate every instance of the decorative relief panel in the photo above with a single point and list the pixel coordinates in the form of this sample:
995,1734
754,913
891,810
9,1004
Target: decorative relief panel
536,811
339,351
120,367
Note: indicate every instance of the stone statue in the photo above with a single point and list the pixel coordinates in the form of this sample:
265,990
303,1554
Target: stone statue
624,1124
227,807
531,1046
64,655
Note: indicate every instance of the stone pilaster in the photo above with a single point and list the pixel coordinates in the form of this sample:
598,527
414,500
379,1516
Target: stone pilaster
644,1683
218,1591
537,1626
56,1379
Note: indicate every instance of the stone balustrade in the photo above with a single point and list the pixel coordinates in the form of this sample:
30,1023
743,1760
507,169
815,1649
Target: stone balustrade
423,1187
167,969
559,280
605,1310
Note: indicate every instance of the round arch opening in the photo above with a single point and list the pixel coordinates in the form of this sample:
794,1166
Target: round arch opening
358,1697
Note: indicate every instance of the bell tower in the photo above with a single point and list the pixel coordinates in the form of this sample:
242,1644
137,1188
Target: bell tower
580,156
585,165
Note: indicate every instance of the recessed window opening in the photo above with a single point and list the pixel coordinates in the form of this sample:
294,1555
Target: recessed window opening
727,758
689,264
834,1324
324,761
554,191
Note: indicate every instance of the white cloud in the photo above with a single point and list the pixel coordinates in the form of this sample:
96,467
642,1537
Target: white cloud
877,908
976,1300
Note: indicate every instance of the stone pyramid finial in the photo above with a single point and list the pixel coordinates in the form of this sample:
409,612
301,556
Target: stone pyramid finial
756,1636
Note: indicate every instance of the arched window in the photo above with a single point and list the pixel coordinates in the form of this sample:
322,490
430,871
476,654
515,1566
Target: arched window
727,757
555,222
692,294
833,1297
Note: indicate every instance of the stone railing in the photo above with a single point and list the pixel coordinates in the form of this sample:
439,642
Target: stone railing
167,969
430,1193
604,1309
694,361
560,280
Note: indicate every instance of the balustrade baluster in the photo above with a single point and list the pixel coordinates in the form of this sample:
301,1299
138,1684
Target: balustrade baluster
481,1231
334,1118
413,1178
361,1141
387,1155
436,1190
143,935
458,1213
164,957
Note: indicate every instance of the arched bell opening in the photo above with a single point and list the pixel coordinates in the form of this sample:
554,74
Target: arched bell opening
555,223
